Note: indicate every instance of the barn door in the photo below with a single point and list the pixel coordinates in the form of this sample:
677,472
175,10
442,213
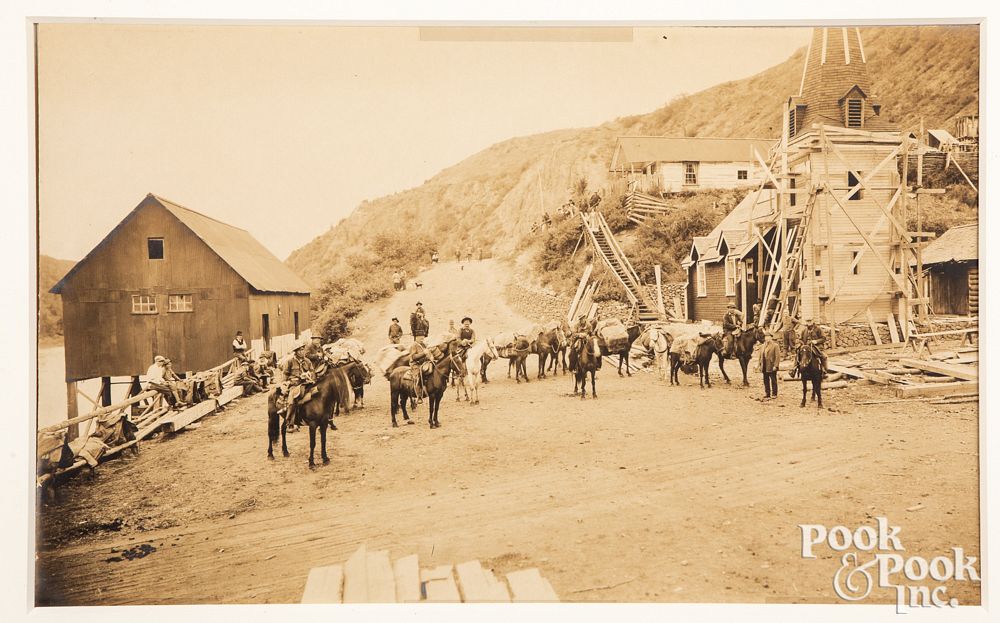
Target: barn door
265,324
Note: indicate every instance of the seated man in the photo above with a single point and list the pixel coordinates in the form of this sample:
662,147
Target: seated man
155,381
182,388
418,355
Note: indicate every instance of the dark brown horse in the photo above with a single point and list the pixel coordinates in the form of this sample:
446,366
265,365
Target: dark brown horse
546,345
633,334
810,369
584,357
359,376
743,348
707,346
559,357
517,357
435,381
316,411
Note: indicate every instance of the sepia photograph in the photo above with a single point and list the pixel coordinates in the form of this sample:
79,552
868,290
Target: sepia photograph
495,313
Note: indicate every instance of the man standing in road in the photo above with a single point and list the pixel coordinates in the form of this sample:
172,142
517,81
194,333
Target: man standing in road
397,281
395,331
770,355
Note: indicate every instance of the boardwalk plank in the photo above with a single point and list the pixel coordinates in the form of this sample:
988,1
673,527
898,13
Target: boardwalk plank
356,577
381,582
407,574
324,585
528,585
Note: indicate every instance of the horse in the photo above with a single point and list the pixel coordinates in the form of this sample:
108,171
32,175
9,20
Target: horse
584,356
810,368
359,376
489,354
708,346
435,382
633,334
743,348
317,412
518,357
474,366
657,341
559,356
546,345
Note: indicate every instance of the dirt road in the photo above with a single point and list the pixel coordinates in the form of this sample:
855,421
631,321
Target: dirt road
649,493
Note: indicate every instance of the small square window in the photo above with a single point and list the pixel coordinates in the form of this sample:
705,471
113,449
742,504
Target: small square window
180,303
741,174
143,304
155,248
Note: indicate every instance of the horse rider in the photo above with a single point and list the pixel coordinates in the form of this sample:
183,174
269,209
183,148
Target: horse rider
298,372
812,336
418,321
395,331
314,352
418,355
732,322
467,333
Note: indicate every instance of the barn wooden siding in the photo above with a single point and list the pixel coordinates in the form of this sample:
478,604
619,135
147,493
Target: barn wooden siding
280,310
872,287
102,335
710,175
713,305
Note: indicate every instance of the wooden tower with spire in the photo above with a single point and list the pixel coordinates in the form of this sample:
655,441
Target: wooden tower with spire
841,250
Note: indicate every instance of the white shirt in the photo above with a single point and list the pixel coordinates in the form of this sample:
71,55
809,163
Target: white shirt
238,345
154,374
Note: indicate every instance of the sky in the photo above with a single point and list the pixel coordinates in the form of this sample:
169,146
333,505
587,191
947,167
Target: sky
284,130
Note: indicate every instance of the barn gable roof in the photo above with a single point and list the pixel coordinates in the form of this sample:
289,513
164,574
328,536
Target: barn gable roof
641,150
236,247
958,244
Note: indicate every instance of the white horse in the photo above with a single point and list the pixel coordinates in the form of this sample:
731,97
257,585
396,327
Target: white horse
474,366
658,341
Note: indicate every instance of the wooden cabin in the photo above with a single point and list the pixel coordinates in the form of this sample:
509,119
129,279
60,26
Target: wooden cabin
677,164
170,281
952,266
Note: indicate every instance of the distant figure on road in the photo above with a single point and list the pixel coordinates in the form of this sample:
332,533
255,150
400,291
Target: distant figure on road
395,331
397,281
239,346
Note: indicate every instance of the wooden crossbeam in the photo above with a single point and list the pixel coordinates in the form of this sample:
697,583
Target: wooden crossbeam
868,241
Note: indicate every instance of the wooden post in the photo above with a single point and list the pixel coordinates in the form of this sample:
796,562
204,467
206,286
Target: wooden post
106,391
659,291
72,411
922,307
570,316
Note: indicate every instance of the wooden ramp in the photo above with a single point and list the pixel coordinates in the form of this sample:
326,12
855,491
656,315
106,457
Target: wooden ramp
370,577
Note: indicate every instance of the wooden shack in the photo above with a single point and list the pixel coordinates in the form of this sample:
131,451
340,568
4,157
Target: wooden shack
676,164
952,266
170,281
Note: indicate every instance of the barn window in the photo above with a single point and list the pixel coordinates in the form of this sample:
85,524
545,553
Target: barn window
180,303
855,263
730,276
690,173
741,174
155,248
855,109
700,278
853,181
144,304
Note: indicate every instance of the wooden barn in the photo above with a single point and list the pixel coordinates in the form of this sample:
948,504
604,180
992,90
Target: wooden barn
170,281
675,164
952,266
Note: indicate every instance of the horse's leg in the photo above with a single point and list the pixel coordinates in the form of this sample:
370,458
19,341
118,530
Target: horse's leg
312,443
804,389
541,365
818,389
722,368
510,364
744,363
272,433
284,431
593,383
484,363
322,440
402,405
393,401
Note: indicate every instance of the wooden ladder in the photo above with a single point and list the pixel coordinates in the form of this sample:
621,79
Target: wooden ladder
791,277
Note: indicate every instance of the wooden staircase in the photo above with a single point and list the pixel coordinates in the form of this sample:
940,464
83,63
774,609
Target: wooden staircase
791,273
605,246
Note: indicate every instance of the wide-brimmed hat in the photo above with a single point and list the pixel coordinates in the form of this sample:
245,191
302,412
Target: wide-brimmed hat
420,304
467,318
394,319
298,346
809,321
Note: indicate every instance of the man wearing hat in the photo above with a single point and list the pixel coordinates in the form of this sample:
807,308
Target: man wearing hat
314,351
789,331
813,337
732,321
418,321
298,371
156,380
395,331
467,332
770,355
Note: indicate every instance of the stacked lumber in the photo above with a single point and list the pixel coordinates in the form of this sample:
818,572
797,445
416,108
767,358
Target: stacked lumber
369,577
640,206
953,376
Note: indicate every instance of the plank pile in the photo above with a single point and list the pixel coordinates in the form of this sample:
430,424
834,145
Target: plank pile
370,577
640,206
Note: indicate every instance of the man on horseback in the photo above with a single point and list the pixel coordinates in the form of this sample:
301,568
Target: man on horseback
467,333
418,321
732,322
418,356
314,352
298,371
813,337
